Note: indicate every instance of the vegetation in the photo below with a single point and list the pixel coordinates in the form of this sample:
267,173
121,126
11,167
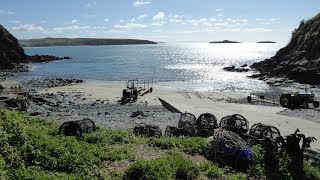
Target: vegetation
79,42
32,148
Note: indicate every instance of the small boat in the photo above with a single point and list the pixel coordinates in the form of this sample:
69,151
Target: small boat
169,106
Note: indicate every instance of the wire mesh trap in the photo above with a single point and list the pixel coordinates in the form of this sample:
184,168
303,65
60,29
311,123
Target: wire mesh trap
262,131
186,126
205,125
235,123
76,128
147,130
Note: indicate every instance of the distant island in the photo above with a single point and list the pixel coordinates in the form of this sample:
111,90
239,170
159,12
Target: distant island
79,42
266,42
225,41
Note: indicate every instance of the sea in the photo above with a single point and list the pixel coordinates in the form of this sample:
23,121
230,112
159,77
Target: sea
183,66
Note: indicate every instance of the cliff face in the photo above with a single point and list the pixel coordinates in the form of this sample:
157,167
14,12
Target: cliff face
300,59
11,52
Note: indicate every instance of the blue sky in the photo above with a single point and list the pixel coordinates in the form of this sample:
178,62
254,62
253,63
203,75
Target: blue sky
158,20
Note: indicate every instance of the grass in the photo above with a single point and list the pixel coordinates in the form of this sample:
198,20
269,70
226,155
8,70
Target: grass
31,148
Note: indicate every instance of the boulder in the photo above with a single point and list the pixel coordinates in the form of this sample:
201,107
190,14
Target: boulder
137,113
19,103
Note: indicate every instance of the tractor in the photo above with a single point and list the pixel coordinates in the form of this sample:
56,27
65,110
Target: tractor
297,100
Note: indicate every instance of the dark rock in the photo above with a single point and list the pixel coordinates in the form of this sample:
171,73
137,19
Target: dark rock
245,65
303,75
19,103
137,113
49,83
236,69
300,59
3,98
260,75
44,58
35,113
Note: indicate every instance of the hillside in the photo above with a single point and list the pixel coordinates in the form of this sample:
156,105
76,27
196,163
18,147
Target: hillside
11,52
79,42
300,59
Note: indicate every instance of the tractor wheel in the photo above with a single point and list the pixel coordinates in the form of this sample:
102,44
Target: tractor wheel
315,104
285,100
305,105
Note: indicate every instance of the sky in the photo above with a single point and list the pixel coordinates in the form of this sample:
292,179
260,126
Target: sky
158,20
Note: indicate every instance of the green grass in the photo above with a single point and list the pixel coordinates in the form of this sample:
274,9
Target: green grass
31,148
192,145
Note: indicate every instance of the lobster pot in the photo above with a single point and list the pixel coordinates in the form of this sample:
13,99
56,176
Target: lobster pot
187,122
147,130
206,121
170,131
262,131
87,125
235,123
76,128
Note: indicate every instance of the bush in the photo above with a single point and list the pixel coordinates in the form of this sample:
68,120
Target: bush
256,169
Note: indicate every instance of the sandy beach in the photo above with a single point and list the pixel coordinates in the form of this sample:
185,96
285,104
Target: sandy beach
217,103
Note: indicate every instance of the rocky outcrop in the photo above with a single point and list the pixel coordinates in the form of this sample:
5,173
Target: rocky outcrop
224,41
45,58
12,54
266,42
237,69
300,59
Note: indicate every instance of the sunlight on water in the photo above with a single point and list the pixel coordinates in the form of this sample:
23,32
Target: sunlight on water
181,66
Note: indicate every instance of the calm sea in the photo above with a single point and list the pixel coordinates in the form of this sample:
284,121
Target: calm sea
180,66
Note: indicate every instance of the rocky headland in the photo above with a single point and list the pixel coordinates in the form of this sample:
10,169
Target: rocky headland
80,42
298,61
12,54
266,42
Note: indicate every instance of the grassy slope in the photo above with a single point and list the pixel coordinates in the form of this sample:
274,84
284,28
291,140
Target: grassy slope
31,148
79,41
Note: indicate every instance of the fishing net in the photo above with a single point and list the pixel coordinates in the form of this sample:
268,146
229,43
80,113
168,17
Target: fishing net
228,148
